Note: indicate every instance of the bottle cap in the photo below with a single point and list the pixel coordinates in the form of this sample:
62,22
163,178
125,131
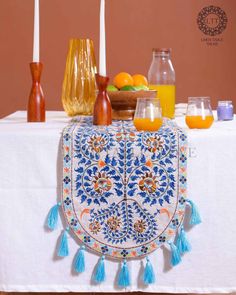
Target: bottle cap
162,50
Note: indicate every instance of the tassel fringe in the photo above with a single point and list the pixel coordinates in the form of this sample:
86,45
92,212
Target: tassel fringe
195,216
124,276
100,274
149,275
52,219
182,242
63,249
79,263
175,255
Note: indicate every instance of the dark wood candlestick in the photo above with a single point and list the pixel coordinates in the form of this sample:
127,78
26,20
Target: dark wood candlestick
36,103
102,107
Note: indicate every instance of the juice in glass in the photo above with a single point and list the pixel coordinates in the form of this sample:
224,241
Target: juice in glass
166,94
147,124
199,113
199,122
147,115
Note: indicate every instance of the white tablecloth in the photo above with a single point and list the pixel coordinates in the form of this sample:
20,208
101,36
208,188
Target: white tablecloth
29,157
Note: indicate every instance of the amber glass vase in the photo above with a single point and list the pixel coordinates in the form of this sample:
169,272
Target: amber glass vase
79,85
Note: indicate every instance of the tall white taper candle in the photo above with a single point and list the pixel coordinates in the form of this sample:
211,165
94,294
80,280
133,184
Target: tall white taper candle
102,47
36,32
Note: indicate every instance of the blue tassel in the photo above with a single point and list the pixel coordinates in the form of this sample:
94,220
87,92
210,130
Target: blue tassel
100,274
124,276
63,249
79,263
195,216
182,242
148,276
175,255
53,217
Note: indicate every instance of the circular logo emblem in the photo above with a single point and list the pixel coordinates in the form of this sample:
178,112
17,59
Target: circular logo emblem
212,20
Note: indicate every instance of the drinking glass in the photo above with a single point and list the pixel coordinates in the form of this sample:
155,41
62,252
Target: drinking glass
79,86
199,113
147,115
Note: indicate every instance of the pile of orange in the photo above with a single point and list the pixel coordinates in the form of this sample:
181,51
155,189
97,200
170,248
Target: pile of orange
125,79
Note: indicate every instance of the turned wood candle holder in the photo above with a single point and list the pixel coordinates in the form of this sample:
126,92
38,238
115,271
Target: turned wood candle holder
102,107
36,103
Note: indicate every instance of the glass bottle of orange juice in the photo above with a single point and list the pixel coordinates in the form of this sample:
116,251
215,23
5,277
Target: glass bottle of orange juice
161,77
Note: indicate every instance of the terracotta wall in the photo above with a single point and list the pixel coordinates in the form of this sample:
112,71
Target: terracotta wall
134,27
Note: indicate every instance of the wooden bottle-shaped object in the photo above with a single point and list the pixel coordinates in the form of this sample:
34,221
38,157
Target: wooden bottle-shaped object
36,103
102,114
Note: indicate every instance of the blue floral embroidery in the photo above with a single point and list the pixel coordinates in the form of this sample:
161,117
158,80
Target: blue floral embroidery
144,249
124,183
87,239
183,179
182,200
67,158
124,253
104,249
67,201
66,137
66,180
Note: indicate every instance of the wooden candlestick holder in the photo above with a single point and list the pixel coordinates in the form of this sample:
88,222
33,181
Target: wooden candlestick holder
102,114
36,103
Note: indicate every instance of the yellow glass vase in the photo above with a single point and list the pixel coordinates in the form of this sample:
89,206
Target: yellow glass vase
79,86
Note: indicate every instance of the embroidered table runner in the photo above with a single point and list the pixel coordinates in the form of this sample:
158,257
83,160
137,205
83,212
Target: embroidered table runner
124,193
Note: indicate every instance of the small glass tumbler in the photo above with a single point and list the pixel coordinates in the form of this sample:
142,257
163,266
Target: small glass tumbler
147,115
199,113
225,111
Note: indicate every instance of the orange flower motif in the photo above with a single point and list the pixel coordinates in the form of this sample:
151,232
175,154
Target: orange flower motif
155,143
140,226
114,253
102,183
69,213
182,169
97,143
114,223
170,232
133,253
101,163
149,163
153,246
66,191
119,136
95,227
66,148
95,245
132,136
148,183
79,232
66,170
180,212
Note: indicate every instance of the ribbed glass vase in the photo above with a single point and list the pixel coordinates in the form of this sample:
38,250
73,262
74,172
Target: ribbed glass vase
79,86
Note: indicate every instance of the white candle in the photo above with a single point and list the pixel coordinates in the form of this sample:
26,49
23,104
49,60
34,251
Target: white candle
102,48
36,32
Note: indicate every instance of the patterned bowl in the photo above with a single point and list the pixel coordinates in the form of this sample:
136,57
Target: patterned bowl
124,102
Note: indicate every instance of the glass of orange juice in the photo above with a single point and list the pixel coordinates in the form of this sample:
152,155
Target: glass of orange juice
147,115
199,113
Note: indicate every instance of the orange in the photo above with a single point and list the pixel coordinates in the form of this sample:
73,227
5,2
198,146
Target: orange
123,79
140,80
